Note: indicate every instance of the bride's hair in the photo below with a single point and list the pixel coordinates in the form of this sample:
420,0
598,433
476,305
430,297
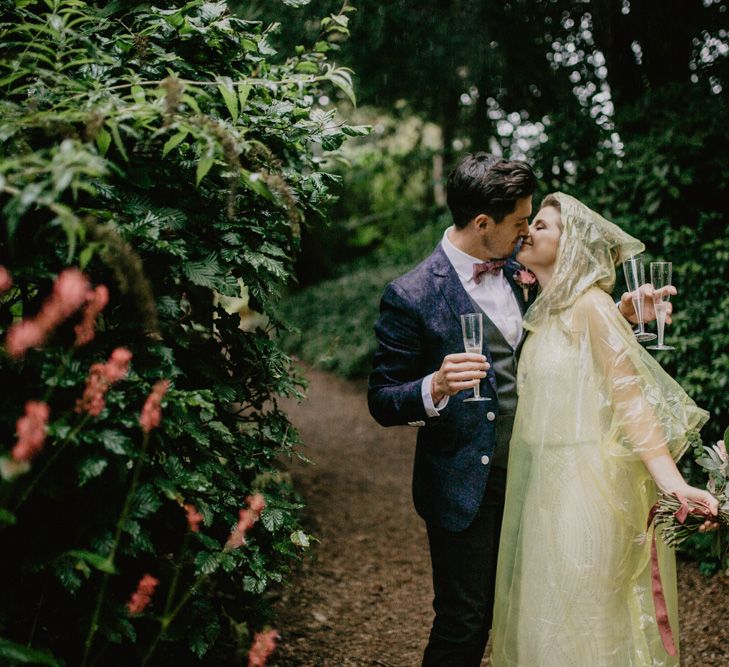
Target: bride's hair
551,200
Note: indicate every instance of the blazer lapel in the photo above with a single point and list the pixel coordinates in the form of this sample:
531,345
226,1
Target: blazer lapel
510,270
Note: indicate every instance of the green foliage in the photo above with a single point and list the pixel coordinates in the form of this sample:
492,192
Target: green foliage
170,153
386,178
334,319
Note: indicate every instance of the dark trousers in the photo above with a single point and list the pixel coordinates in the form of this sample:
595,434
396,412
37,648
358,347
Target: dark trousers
464,576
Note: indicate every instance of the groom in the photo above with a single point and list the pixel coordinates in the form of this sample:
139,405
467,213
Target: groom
421,376
419,367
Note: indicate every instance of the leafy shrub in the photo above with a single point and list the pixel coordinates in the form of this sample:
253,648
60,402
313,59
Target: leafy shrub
388,193
335,318
167,153
670,190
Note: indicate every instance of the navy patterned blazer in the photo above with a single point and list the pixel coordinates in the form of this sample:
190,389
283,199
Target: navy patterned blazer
419,324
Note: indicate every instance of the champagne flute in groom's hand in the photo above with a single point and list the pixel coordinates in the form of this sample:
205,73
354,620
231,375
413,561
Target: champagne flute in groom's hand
472,325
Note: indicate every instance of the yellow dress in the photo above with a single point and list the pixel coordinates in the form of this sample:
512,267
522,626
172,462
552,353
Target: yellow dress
574,574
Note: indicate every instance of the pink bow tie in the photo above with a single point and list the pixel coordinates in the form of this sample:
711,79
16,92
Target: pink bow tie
492,266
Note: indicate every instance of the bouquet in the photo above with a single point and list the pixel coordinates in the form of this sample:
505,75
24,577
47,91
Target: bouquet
680,519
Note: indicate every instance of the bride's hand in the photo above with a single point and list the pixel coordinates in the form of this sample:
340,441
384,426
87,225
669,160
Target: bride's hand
702,498
627,309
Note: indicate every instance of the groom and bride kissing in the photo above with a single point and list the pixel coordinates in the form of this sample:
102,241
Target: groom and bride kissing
549,553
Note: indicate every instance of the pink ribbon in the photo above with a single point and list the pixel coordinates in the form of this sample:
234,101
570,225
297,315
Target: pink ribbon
659,600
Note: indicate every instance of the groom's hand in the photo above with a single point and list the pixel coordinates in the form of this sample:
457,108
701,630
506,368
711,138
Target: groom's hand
627,309
456,373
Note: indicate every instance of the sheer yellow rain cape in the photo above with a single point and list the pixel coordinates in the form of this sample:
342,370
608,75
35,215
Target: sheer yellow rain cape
573,583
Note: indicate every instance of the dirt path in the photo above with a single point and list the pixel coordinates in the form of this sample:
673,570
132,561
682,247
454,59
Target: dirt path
365,598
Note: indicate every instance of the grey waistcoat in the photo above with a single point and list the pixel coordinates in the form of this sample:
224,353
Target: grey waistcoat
504,358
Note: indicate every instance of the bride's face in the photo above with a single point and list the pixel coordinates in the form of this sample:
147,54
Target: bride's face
539,249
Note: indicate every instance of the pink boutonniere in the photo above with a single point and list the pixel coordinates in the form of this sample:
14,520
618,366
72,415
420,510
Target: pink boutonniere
526,280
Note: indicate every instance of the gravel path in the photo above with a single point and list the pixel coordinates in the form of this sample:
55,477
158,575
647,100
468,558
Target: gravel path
364,599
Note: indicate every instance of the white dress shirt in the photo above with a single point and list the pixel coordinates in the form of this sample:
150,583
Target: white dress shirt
493,295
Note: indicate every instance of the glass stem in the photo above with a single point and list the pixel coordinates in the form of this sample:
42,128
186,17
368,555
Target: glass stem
638,307
661,322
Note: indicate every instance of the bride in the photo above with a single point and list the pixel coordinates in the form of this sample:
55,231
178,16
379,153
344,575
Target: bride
598,428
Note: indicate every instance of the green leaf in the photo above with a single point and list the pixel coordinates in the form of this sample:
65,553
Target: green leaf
101,563
204,166
206,562
174,141
86,255
145,502
229,97
138,94
341,77
726,437
356,130
7,518
91,468
116,442
221,430
260,261
118,141
708,463
103,140
307,67
206,273
12,77
191,102
19,654
300,539
243,92
254,182
272,518
254,585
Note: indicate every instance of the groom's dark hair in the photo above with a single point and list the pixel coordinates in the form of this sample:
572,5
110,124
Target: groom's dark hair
485,183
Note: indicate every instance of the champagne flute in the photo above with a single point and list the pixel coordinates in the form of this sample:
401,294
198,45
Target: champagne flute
661,279
634,278
472,326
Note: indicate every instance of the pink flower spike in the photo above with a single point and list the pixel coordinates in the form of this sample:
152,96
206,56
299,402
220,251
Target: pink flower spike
264,644
152,411
22,336
143,595
69,293
256,503
31,431
6,280
118,365
101,377
246,519
194,518
70,290
96,301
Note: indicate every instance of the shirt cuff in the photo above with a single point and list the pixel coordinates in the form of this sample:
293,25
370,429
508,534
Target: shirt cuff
430,409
